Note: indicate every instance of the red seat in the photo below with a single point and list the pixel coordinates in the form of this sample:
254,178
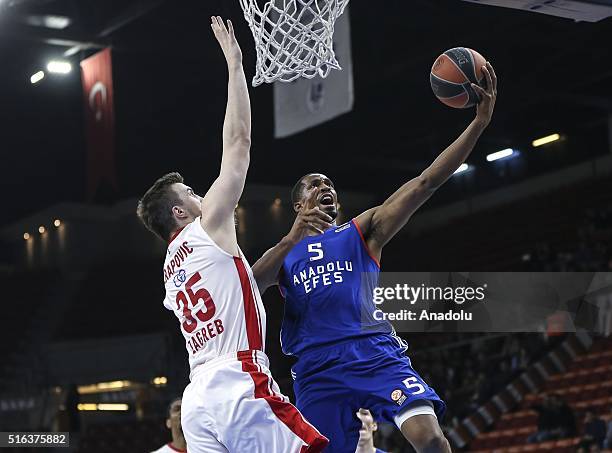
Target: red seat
586,385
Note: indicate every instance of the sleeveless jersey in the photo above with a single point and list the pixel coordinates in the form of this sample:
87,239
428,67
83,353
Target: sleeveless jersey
327,282
214,296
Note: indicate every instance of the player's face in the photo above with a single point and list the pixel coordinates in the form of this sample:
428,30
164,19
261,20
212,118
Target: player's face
324,192
174,417
190,202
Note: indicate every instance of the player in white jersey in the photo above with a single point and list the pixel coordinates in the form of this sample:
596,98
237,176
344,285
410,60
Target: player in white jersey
232,404
173,423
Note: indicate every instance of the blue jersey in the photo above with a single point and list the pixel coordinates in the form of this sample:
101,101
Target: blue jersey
347,359
327,282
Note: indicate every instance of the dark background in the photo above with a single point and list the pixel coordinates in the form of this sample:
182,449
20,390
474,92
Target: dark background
554,76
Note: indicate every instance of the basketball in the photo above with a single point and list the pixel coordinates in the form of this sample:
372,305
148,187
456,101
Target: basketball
452,74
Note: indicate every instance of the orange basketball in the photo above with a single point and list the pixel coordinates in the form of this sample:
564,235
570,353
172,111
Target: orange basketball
452,74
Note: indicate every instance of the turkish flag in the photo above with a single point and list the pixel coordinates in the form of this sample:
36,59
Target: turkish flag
97,77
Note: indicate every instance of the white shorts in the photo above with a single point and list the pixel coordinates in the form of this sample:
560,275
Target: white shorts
233,405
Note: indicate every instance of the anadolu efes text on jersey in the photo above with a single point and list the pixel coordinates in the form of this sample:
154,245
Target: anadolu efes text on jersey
214,296
327,283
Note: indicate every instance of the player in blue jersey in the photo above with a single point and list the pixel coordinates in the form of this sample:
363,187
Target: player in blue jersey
347,361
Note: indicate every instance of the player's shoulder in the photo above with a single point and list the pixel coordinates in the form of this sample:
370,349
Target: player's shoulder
194,227
179,235
364,220
189,234
344,227
348,231
332,234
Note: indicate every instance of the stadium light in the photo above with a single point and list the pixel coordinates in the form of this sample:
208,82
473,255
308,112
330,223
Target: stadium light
26,236
37,77
113,407
87,407
504,153
59,67
42,229
462,168
278,202
160,380
56,22
57,223
546,140
102,387
102,407
113,385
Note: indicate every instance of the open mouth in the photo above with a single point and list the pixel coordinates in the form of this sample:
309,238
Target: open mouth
326,200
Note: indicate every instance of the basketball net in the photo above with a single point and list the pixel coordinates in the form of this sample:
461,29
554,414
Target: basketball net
293,38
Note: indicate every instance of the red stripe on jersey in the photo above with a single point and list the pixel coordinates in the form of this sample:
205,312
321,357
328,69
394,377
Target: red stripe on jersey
251,314
252,286
284,411
176,233
365,244
172,447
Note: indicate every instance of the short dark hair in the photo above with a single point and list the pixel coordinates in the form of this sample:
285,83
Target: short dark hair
155,207
296,192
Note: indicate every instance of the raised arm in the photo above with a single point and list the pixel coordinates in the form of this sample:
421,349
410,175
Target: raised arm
310,220
220,201
381,223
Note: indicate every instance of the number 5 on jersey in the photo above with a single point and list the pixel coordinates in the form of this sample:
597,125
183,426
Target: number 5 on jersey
413,386
317,250
190,324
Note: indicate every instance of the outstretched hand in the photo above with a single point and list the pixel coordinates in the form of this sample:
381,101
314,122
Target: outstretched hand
484,110
227,40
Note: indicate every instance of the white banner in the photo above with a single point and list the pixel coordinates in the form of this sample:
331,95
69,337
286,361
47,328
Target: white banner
304,103
579,10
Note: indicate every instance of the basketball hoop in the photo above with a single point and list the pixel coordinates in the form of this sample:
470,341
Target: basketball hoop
293,38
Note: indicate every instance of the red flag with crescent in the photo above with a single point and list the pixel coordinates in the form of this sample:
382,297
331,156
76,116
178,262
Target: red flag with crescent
97,77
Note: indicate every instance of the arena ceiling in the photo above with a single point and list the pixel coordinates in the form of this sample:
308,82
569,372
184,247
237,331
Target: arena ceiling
555,75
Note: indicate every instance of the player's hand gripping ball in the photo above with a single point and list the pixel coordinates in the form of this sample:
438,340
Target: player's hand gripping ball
452,76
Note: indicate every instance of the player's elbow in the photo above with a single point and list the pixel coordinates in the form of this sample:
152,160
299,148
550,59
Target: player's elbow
238,137
236,160
238,145
425,183
242,141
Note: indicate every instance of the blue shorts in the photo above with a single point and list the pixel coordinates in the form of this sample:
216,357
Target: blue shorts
333,382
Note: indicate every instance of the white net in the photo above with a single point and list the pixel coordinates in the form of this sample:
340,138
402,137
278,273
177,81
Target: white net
293,38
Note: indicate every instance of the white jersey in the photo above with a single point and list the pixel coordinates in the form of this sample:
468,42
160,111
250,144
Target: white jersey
214,296
168,448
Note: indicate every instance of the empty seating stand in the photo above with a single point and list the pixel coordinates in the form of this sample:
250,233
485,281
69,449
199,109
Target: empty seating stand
586,384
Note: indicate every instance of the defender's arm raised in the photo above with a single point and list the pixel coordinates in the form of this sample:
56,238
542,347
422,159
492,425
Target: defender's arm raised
220,201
